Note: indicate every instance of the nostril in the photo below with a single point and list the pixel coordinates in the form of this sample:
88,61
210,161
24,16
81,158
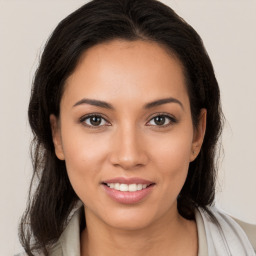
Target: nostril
129,163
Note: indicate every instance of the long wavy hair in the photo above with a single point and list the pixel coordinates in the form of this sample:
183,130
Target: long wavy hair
99,21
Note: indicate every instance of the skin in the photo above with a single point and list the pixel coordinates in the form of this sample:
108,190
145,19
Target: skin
128,142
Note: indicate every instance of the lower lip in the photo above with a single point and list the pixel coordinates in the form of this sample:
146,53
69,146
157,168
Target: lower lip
128,197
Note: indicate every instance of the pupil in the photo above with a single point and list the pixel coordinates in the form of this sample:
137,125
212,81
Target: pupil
95,120
160,120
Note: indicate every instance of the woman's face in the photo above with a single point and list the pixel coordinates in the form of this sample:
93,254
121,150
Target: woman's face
125,119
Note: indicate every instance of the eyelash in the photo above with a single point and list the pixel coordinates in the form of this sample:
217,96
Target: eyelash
84,118
172,120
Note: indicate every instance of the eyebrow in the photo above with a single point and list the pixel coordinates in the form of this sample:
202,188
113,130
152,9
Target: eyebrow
106,105
97,103
161,102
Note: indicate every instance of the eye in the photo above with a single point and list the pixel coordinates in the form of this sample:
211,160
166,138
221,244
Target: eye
162,120
93,121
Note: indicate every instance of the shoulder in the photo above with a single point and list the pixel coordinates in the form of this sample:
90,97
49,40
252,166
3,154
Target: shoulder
55,250
69,241
249,229
224,233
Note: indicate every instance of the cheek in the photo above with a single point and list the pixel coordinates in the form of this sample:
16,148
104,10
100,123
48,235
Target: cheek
82,148
172,161
173,150
172,158
84,157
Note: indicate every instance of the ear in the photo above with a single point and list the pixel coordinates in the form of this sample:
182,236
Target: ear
56,137
199,133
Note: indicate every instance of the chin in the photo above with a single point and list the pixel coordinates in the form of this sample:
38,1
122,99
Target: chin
131,218
130,224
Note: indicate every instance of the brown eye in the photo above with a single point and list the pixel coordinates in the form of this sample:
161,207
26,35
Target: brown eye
93,121
162,120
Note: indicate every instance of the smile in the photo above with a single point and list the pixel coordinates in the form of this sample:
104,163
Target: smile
128,190
125,187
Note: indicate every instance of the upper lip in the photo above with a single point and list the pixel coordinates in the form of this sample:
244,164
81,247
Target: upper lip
132,180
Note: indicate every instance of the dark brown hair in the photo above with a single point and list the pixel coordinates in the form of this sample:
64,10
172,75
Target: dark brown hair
96,22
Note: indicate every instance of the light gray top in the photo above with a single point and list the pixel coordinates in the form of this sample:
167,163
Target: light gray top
229,238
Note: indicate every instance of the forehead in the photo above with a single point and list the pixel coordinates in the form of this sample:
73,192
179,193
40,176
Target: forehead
127,70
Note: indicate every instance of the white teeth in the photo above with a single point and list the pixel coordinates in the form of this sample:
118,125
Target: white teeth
132,187
125,187
139,186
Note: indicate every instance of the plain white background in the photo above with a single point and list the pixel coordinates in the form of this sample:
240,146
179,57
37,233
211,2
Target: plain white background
227,28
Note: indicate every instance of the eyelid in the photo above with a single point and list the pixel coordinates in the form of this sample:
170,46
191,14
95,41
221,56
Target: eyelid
87,116
170,117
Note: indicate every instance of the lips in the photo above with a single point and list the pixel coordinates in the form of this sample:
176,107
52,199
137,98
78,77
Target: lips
128,190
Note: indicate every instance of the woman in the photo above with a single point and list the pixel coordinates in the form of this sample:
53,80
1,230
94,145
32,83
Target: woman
125,110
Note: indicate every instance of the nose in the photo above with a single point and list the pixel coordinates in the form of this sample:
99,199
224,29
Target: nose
128,150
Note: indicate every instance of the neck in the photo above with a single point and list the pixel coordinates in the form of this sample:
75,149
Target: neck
172,235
